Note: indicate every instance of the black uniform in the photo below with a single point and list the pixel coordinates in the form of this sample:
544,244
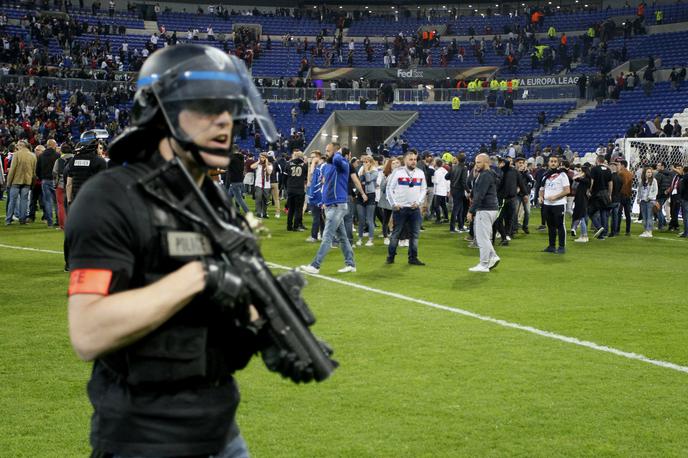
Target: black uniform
296,173
171,393
82,167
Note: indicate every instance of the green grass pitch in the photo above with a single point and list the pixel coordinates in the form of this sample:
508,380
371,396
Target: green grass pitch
414,381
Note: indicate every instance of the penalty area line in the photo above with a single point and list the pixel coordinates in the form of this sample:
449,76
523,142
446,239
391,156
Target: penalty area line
503,323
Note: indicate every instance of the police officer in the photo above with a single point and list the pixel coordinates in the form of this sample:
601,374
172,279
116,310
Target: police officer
87,161
144,303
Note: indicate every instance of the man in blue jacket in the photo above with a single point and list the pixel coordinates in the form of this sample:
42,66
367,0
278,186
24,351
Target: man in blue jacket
335,196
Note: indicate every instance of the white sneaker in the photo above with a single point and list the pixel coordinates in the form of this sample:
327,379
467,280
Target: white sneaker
359,243
404,243
365,234
309,269
649,234
508,239
369,243
277,215
479,268
311,240
346,269
643,235
386,242
494,260
581,239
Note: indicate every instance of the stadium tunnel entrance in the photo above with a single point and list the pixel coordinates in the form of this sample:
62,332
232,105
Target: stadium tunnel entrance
358,129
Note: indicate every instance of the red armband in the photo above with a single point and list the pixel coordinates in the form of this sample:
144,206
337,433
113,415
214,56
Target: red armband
90,281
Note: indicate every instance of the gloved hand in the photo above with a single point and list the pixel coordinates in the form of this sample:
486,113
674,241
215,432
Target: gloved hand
223,286
286,363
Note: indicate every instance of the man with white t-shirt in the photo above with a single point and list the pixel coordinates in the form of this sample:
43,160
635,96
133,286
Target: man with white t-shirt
554,188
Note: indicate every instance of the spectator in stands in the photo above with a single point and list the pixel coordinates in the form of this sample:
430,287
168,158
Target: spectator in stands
676,131
647,194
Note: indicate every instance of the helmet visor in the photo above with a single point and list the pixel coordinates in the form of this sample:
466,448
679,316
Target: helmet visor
195,95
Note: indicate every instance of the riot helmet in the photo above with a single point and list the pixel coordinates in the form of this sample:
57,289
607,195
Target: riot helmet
90,140
200,79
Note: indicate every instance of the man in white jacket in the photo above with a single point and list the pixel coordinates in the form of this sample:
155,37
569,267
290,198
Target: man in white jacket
406,189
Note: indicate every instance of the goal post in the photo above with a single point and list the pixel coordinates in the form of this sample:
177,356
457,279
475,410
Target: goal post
641,152
648,152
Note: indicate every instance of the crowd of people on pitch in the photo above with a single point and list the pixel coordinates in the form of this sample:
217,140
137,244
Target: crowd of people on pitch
597,196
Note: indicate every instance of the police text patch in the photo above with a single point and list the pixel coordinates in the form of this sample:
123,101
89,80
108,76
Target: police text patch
183,244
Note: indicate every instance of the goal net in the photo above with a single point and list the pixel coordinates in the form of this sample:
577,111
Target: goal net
648,152
643,152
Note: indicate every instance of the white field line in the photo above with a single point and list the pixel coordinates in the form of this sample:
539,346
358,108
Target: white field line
504,323
489,319
12,247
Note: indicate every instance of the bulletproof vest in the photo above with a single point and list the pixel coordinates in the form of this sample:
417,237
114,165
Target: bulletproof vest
201,344
81,169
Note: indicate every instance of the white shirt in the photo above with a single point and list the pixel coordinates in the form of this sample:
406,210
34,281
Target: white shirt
406,187
554,185
439,179
321,104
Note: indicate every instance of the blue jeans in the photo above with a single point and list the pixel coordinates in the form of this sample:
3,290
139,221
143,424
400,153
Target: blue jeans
615,210
600,219
646,212
236,448
661,219
49,204
366,217
413,218
236,192
19,201
334,225
684,210
583,226
349,220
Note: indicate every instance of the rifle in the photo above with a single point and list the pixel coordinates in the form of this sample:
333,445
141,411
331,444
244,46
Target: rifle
285,317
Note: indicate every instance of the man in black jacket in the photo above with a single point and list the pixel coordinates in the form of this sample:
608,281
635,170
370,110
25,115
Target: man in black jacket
44,172
525,184
664,178
235,178
484,210
615,208
683,193
457,186
507,193
296,173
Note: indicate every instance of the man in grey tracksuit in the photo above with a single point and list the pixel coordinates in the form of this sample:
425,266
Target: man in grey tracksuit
483,210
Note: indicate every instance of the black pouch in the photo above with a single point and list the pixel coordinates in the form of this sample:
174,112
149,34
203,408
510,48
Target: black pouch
168,355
